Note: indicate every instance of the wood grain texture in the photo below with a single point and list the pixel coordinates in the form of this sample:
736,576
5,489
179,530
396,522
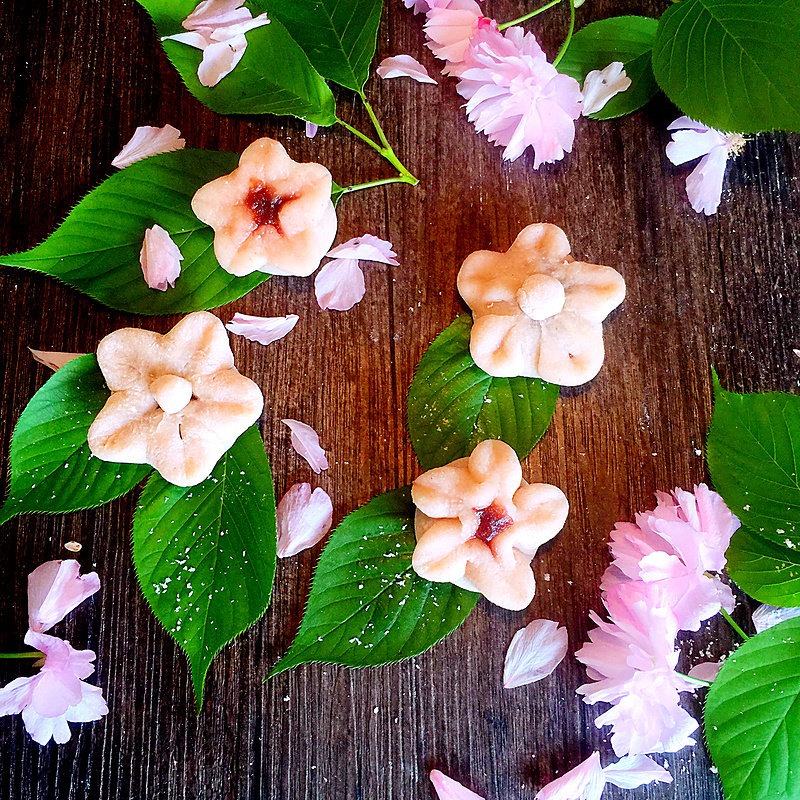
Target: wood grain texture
77,78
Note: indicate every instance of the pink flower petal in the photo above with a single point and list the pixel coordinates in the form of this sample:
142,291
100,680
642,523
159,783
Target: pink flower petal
689,145
54,589
366,248
404,66
339,285
216,14
600,86
264,330
706,670
418,6
584,782
149,141
311,130
305,441
220,59
52,358
634,771
767,616
704,184
535,651
448,789
304,518
160,258
450,28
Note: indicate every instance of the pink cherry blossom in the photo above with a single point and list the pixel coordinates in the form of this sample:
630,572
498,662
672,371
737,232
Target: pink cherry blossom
366,248
57,695
149,141
691,140
218,27
404,66
448,789
588,779
516,97
449,28
264,330
311,130
339,285
305,441
52,358
160,258
535,651
304,518
600,85
54,589
767,616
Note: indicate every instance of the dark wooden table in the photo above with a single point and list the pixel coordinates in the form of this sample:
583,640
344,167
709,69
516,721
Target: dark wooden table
77,78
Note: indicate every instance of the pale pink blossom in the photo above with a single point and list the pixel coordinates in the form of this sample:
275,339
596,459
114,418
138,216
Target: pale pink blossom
264,330
449,28
404,66
516,97
366,248
311,130
54,589
57,695
535,651
52,358
304,518
149,141
632,772
160,258
218,27
305,441
767,616
691,140
339,285
417,6
448,789
600,85
706,671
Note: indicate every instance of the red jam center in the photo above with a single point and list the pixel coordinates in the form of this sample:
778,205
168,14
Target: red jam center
491,521
266,205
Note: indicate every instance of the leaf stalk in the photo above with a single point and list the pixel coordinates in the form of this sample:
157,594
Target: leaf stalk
526,17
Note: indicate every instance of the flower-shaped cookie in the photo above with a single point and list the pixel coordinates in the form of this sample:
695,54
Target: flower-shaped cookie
270,214
479,524
537,312
177,401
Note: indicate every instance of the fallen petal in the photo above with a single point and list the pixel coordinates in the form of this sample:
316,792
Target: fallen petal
54,589
584,782
219,59
263,330
305,441
634,771
706,671
600,86
535,651
149,141
304,518
404,66
704,183
160,258
339,285
766,616
52,358
216,14
311,130
448,789
366,248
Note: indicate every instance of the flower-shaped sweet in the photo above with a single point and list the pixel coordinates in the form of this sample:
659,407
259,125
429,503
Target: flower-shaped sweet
479,524
177,401
270,214
537,312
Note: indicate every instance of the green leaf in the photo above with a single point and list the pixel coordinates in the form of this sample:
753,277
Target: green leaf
205,554
273,77
52,469
338,37
627,39
96,249
753,447
367,605
732,64
752,717
453,404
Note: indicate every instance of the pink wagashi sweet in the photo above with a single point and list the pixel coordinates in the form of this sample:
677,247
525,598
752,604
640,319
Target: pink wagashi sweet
305,441
160,258
146,141
54,589
264,330
57,694
304,518
535,651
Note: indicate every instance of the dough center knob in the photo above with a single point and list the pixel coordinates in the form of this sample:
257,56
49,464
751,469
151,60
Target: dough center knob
541,296
172,393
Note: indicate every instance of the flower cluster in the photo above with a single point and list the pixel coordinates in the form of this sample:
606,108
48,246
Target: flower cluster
661,581
57,695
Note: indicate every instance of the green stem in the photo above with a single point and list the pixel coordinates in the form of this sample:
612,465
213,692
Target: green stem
28,654
571,30
733,625
374,145
382,182
526,17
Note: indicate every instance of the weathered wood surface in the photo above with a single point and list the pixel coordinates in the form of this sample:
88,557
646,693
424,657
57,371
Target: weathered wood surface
77,78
